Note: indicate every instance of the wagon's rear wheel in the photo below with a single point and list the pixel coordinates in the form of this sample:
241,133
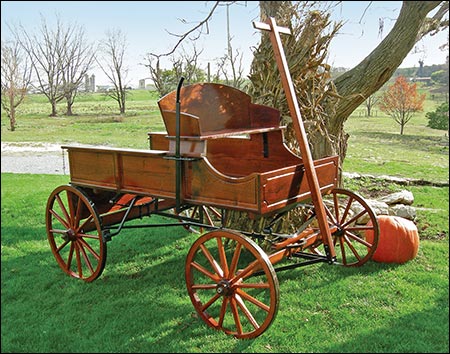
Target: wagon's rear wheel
232,284
75,234
348,215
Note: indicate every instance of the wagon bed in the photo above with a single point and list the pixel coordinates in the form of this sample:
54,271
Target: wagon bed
236,160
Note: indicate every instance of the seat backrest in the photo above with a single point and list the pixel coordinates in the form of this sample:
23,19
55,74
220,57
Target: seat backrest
209,108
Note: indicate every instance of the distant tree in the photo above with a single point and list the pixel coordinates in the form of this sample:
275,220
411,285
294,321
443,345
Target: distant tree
440,77
439,118
401,101
183,64
370,104
60,57
111,62
15,79
76,56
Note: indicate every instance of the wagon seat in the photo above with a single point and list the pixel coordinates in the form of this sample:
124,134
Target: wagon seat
221,124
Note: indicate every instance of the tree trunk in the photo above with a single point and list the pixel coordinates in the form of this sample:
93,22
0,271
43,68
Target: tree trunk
54,112
69,109
12,119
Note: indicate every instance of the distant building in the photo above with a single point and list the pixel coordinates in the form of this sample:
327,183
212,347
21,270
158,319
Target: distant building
104,88
89,83
426,80
92,83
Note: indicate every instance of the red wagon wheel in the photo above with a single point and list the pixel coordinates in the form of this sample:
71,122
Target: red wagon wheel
75,234
232,284
348,215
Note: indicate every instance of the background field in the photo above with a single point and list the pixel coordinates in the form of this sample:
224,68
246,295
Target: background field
140,303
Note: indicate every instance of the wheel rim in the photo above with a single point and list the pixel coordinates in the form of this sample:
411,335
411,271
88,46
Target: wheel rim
75,234
348,216
222,288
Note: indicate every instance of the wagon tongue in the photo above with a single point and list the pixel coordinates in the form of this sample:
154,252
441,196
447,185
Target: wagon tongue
286,80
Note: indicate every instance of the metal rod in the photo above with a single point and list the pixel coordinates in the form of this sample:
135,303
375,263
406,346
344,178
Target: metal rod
177,148
121,226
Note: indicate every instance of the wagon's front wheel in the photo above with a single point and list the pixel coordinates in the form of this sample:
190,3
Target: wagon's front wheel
348,216
232,284
75,234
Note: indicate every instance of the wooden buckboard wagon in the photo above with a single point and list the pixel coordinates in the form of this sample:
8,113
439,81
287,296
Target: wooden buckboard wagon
221,155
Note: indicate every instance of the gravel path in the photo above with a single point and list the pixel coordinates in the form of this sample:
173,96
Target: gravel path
37,158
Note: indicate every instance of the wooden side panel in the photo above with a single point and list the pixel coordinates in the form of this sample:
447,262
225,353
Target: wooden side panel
93,167
123,170
148,174
205,185
290,185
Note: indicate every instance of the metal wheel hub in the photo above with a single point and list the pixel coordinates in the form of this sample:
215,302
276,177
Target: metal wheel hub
224,288
69,235
339,231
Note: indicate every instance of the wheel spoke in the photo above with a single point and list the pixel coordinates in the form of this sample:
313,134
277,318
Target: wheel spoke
246,272
357,239
223,311
212,261
205,271
85,257
78,214
89,219
222,256
78,259
63,209
59,218
352,248
234,311
253,300
210,302
62,246
70,257
354,218
204,286
89,248
234,261
346,211
71,209
246,312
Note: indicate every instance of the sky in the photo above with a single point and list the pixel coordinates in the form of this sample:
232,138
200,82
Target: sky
147,26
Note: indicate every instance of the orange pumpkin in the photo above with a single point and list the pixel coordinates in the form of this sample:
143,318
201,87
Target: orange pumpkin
398,241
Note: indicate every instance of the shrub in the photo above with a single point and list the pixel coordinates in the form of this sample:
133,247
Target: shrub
439,118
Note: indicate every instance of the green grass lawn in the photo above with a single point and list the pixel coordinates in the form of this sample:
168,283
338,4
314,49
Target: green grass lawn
140,302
